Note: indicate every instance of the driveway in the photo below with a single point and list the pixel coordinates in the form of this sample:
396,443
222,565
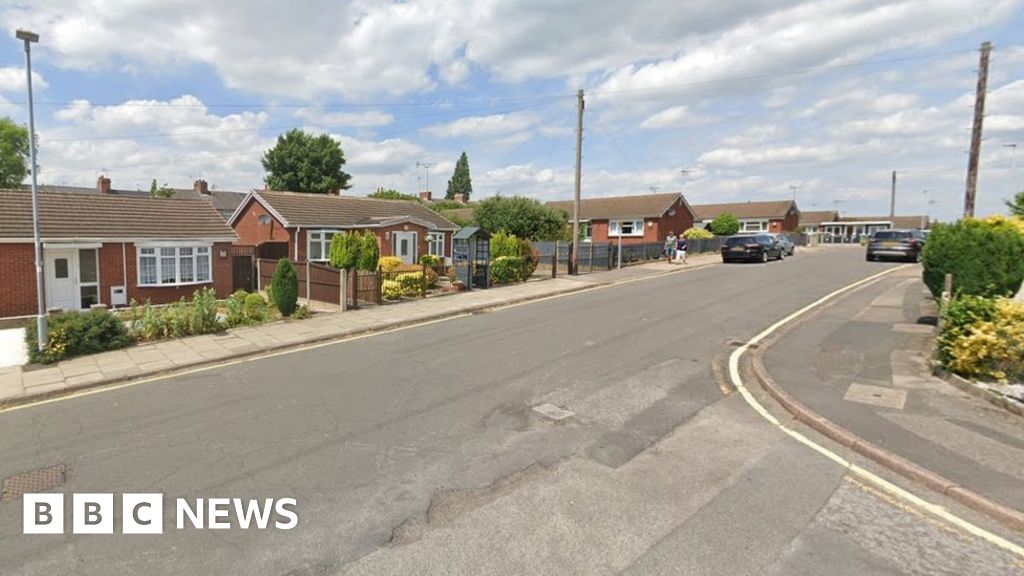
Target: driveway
12,347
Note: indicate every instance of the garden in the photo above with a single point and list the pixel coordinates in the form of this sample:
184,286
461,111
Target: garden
982,325
71,334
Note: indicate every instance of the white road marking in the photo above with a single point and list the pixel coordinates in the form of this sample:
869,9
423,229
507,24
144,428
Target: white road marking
883,484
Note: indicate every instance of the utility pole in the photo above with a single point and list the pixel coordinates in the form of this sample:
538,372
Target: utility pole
979,118
794,189
426,171
576,199
892,199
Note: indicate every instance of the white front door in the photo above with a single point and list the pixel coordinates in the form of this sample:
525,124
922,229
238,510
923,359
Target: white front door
403,245
62,279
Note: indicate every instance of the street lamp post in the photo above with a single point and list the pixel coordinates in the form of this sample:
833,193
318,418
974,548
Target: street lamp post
29,38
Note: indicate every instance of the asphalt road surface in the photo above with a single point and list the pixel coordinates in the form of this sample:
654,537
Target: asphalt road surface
419,451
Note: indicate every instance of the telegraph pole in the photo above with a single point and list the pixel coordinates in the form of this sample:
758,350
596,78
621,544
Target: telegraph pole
576,199
892,200
979,117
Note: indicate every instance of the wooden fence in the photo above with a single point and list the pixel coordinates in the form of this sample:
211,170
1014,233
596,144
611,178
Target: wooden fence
322,283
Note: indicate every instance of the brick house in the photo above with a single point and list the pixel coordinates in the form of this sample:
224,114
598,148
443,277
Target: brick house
108,249
306,223
811,221
642,219
771,216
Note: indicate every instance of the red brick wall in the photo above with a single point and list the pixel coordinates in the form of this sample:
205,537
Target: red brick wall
111,274
251,232
655,229
17,269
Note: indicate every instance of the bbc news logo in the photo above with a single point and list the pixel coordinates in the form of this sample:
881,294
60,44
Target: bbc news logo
144,513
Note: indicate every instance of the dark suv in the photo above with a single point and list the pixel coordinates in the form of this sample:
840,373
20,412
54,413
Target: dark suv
899,244
751,247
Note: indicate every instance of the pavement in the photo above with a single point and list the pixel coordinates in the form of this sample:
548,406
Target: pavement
23,383
864,363
12,348
586,434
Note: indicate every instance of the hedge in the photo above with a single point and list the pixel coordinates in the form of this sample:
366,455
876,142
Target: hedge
986,258
71,334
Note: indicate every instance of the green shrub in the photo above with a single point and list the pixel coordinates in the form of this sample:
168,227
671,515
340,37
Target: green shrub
244,308
506,269
73,334
725,224
430,260
411,283
986,258
369,252
302,313
285,287
204,312
521,253
958,316
344,250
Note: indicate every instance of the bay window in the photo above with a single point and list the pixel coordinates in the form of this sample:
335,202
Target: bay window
174,265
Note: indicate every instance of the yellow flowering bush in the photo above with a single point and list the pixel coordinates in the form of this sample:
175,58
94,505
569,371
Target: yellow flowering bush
697,234
389,263
1010,221
391,290
993,348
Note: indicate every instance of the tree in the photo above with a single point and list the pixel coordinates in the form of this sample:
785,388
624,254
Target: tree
524,217
301,162
1016,205
460,183
389,194
14,153
725,224
284,287
344,251
164,191
369,252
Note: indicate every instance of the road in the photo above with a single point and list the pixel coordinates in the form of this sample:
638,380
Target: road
419,451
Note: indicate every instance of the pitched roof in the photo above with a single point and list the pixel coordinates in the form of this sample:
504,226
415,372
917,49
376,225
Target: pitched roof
72,216
912,221
641,206
327,210
770,209
815,217
224,201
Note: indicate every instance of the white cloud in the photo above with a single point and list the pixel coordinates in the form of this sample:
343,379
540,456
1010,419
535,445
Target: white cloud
319,117
738,157
674,117
483,126
12,79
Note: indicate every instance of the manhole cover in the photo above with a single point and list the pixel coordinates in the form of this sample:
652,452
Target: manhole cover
33,481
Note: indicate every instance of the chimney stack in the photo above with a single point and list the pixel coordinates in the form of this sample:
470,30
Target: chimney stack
103,184
425,196
460,198
201,187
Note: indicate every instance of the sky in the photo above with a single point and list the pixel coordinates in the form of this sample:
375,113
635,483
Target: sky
724,101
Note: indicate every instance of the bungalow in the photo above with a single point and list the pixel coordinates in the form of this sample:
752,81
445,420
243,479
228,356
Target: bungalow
772,216
850,227
108,249
306,223
641,219
811,221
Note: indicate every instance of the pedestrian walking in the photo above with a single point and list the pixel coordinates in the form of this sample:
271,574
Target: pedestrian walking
681,249
670,247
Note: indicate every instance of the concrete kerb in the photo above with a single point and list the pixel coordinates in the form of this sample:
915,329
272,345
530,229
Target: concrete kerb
1004,514
51,392
988,395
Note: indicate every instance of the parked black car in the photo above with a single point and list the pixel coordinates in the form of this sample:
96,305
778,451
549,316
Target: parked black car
899,244
788,248
751,247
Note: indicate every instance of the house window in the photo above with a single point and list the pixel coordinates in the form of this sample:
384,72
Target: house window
319,244
173,265
435,243
626,228
753,225
585,231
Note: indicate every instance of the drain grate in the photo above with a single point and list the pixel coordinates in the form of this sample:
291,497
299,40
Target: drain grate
34,481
